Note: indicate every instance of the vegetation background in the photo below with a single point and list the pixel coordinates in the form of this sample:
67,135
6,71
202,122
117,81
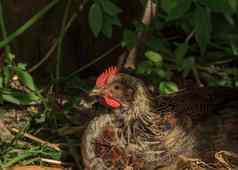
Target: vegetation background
50,49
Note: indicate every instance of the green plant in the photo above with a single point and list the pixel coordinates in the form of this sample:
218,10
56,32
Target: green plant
103,14
193,38
16,84
156,71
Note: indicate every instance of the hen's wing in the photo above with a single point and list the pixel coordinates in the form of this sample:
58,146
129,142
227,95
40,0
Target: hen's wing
206,122
197,102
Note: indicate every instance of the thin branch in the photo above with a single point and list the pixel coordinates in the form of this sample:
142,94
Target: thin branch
48,54
92,62
36,139
189,37
54,46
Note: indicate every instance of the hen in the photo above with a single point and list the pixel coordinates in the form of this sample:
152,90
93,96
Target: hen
196,127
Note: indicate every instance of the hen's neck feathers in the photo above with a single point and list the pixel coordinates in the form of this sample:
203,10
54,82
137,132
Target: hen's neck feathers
142,103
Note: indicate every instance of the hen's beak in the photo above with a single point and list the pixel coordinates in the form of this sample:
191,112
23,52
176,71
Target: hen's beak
95,92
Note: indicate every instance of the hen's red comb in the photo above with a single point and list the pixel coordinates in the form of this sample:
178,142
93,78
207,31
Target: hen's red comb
103,78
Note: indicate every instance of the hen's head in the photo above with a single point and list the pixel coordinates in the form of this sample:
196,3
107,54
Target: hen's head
117,89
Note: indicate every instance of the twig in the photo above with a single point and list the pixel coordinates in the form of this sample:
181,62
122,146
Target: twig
53,47
48,54
55,162
92,62
149,13
189,37
36,139
60,40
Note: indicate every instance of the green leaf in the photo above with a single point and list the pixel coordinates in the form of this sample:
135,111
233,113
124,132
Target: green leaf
110,8
107,27
26,79
32,97
188,65
144,67
153,56
95,18
1,81
6,75
180,53
233,4
22,66
115,21
11,56
10,98
167,5
108,23
217,5
234,46
167,87
129,39
19,98
180,9
161,73
202,27
155,44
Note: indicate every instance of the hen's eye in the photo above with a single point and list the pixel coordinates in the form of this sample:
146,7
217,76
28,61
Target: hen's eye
116,87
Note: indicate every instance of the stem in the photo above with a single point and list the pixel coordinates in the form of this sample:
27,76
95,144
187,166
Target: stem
48,54
19,158
54,46
28,24
197,78
38,140
4,33
189,37
60,40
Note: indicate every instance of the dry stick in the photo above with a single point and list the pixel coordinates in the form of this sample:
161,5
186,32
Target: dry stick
36,139
149,13
55,162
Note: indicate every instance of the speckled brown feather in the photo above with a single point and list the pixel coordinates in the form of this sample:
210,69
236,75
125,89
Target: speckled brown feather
192,124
